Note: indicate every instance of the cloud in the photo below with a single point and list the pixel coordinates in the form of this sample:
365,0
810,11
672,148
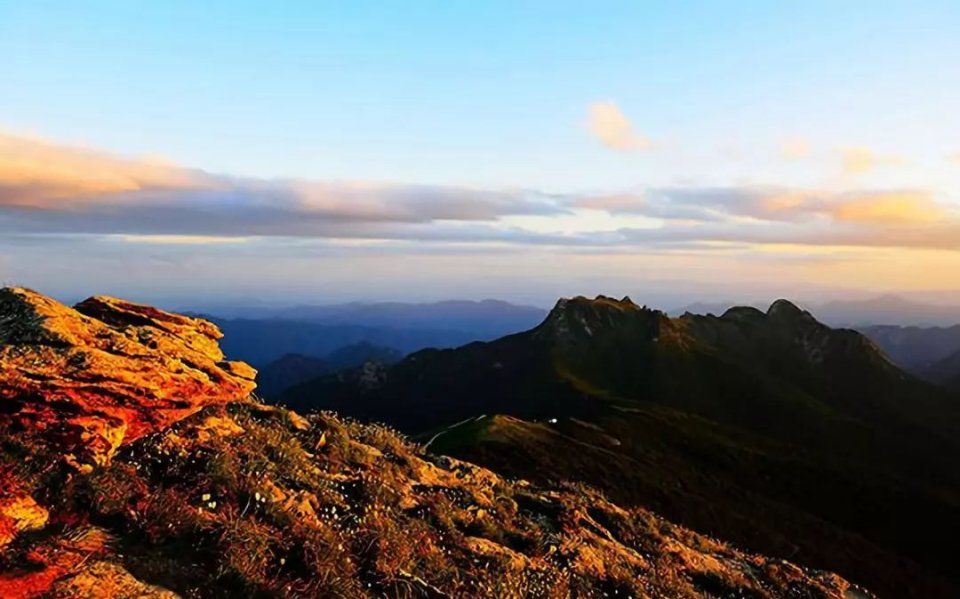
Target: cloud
890,208
858,160
775,204
45,187
181,239
613,129
50,191
41,175
705,204
621,203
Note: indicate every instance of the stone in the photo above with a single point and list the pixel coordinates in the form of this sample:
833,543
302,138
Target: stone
107,371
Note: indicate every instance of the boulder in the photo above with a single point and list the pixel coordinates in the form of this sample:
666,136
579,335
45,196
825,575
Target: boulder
107,371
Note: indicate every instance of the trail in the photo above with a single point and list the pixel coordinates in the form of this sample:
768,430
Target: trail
453,426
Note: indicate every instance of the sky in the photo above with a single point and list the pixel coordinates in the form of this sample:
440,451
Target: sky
330,151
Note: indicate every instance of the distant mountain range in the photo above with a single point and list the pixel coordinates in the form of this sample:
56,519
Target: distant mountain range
262,334
926,351
486,318
320,330
292,369
887,309
767,428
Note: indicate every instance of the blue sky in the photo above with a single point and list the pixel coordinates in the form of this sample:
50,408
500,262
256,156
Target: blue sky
498,96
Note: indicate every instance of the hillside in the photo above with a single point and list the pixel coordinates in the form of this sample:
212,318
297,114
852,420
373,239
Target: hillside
748,424
134,463
289,370
946,371
292,369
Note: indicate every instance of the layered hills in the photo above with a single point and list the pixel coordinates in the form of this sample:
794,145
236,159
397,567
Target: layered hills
768,428
292,369
262,336
134,462
932,353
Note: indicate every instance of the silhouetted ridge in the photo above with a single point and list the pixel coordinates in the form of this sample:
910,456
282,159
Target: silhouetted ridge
747,313
785,310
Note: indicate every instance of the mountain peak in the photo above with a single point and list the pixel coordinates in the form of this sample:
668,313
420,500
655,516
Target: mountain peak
783,307
581,316
600,302
786,311
108,371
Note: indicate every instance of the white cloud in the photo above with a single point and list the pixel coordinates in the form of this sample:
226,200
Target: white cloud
613,129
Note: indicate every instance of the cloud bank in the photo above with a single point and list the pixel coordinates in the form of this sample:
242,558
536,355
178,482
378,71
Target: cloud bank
50,189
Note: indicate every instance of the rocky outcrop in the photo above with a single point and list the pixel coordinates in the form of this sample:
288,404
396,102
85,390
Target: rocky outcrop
106,579
107,371
18,512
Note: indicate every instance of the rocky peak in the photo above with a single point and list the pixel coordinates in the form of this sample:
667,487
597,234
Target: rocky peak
783,313
581,316
108,371
786,310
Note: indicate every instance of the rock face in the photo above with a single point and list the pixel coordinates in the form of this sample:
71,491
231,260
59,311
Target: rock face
107,371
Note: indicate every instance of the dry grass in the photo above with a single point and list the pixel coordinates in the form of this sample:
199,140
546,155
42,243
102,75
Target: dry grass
249,500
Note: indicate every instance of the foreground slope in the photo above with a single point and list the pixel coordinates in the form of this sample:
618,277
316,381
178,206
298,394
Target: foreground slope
768,428
218,495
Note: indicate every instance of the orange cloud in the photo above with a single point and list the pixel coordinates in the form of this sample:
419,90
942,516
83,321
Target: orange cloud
49,188
609,125
858,160
892,208
39,174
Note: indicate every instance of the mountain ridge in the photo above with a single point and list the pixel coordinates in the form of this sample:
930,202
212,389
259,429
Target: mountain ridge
796,401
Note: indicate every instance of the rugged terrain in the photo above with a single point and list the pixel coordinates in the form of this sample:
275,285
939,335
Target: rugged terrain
135,463
767,428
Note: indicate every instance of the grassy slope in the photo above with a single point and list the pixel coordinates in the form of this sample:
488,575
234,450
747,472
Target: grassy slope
716,480
251,500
